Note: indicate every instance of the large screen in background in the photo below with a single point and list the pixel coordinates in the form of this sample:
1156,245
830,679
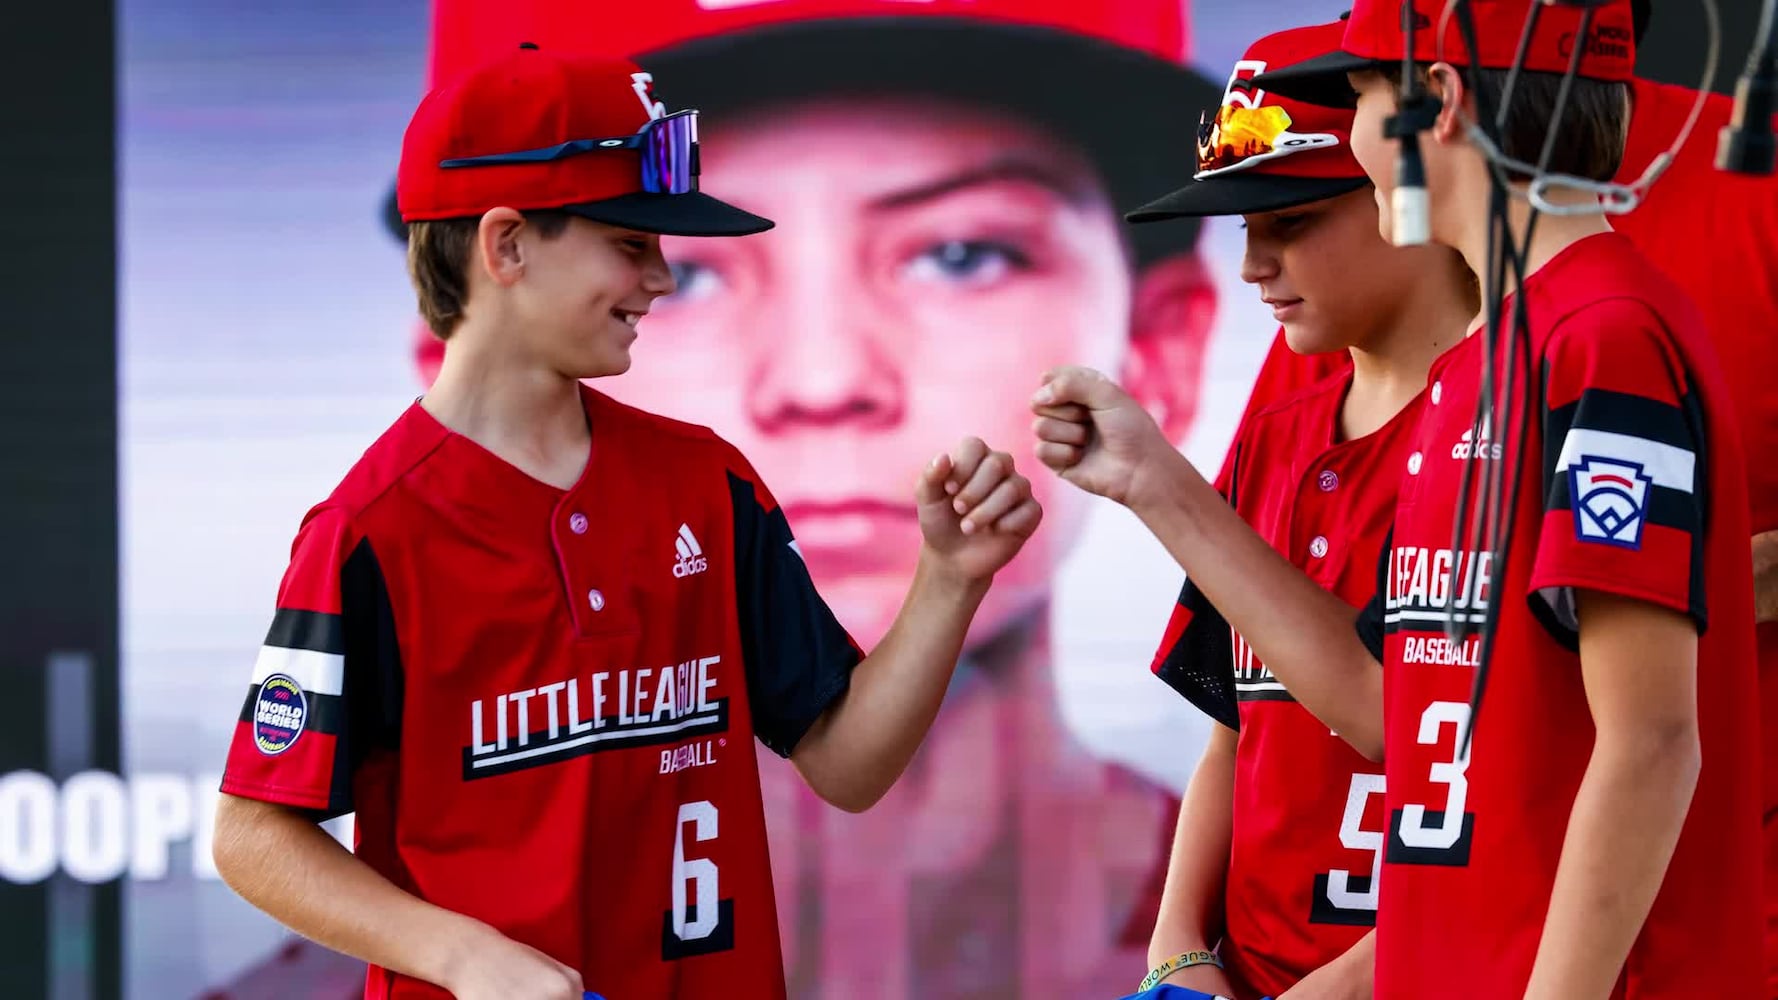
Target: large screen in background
268,334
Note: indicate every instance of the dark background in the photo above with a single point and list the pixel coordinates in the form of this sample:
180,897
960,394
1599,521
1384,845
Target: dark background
58,436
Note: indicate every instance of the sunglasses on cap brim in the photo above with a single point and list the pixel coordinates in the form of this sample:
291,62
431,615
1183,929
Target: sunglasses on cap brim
1235,137
669,148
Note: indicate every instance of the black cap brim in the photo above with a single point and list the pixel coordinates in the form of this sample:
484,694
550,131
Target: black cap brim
1243,194
1134,114
692,214
1321,80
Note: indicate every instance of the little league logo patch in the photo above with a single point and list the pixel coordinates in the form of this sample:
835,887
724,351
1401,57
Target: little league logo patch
1610,501
278,715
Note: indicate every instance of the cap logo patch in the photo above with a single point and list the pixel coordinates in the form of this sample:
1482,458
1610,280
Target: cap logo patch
643,85
1246,131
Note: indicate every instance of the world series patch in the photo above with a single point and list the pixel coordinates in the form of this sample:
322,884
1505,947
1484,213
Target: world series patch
1610,500
278,714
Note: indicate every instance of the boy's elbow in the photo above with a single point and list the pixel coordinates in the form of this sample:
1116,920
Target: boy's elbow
1669,748
1681,747
1368,744
854,801
241,839
851,796
228,847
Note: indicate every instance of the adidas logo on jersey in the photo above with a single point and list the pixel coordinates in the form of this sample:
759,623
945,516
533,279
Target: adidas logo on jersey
1467,448
691,554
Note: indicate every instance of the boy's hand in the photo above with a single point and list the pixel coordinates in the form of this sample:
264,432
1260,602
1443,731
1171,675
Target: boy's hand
495,967
1093,434
976,511
1339,979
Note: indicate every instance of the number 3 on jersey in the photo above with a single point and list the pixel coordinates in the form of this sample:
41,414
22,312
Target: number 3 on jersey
1340,896
1418,835
697,923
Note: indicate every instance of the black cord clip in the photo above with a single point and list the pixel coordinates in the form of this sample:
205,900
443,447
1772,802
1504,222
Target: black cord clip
1415,114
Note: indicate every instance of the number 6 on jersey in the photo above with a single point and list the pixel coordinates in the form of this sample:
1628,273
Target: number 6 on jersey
698,923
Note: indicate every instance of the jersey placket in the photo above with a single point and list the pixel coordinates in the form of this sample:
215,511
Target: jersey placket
593,564
1314,515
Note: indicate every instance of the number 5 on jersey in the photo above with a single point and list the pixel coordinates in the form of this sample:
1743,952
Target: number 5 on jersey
1342,897
697,923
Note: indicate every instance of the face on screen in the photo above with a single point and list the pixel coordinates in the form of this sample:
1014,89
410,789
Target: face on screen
929,262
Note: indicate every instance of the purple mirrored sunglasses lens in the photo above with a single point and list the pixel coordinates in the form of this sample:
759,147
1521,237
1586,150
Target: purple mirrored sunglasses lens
670,155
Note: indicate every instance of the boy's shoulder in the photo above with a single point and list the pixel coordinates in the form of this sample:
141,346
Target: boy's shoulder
402,447
651,439
1604,282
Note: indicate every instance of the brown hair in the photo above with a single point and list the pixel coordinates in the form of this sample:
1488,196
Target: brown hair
1595,119
438,257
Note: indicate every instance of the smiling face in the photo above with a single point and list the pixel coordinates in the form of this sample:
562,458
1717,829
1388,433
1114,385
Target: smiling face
582,293
930,261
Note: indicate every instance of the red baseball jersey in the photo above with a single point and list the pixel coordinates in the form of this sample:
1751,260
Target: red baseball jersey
1632,484
1308,809
539,701
1712,233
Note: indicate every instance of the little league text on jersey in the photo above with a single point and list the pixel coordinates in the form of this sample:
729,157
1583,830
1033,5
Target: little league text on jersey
607,710
1421,583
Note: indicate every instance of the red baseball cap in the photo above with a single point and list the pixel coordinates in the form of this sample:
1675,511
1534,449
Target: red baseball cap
464,31
1109,77
534,129
1374,36
1261,152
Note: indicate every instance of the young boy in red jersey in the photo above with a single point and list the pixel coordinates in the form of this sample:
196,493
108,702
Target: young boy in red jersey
1601,830
527,638
1711,233
1279,840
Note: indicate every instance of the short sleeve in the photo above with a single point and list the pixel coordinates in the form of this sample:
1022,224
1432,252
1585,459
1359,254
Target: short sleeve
325,691
798,658
1196,657
1624,452
1371,617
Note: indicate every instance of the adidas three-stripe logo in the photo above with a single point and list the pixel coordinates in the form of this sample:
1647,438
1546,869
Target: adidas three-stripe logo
691,554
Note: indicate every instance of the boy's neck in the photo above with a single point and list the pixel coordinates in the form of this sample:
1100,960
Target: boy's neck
1391,369
529,416
1554,234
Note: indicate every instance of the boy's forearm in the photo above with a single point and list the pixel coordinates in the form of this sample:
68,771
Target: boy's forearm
322,891
860,746
1765,576
1626,821
1302,633
1191,912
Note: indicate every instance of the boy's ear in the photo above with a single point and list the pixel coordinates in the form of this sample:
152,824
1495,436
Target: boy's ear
497,245
1445,82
